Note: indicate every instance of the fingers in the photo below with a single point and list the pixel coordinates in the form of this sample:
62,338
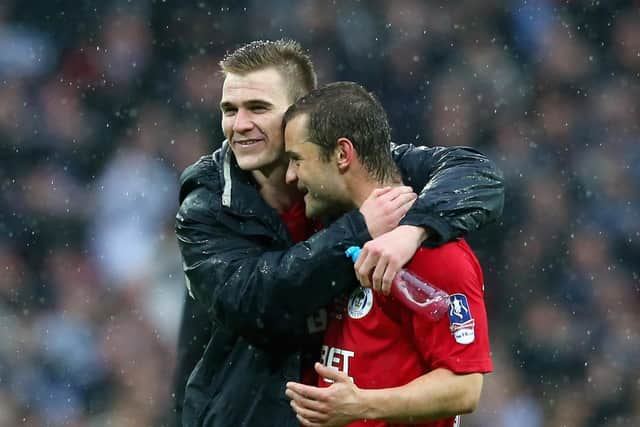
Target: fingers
397,202
391,193
380,191
309,411
376,268
378,273
383,274
307,391
397,197
306,415
305,402
387,279
406,201
385,207
331,406
330,373
307,423
369,267
363,267
393,198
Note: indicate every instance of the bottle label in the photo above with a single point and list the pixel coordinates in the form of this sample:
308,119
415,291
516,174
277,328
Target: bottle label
462,323
360,303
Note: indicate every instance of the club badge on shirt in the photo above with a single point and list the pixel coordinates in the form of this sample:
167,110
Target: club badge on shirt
462,324
360,303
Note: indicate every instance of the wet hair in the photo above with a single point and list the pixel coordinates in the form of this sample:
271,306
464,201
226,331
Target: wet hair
287,56
347,110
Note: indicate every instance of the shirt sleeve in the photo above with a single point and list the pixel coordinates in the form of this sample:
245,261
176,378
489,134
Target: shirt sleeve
460,340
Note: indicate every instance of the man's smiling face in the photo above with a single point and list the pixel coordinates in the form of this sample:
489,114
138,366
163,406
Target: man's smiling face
253,106
317,178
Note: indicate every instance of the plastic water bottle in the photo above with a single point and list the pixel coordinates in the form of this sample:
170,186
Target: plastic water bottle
415,293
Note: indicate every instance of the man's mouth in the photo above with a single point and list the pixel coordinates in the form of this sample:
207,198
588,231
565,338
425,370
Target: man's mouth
247,142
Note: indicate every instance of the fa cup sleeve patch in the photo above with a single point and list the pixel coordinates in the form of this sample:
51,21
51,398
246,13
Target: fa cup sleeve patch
462,324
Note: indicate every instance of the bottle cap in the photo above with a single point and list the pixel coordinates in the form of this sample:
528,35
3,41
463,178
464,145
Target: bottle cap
353,252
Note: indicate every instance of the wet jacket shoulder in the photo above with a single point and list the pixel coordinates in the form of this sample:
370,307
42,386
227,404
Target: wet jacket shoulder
460,189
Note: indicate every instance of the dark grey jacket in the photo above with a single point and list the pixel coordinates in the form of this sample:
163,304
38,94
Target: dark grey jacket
264,295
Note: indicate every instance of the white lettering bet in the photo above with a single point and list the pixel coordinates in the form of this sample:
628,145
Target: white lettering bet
336,358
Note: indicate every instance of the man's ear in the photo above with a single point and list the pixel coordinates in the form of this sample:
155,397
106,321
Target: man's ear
345,153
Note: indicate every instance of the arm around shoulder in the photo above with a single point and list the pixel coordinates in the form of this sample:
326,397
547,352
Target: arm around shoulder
249,286
460,189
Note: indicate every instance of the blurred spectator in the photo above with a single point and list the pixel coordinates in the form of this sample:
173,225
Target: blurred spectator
102,104
136,195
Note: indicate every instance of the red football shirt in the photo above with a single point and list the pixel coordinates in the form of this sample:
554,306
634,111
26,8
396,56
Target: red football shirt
379,343
299,226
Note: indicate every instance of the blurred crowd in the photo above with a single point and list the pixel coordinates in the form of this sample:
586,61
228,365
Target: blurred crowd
103,104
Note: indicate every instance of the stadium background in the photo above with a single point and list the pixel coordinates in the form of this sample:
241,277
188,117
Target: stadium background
102,103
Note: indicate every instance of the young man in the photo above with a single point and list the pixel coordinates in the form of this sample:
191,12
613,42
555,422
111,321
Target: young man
385,364
238,222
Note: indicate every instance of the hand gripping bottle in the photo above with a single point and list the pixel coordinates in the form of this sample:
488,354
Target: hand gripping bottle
412,291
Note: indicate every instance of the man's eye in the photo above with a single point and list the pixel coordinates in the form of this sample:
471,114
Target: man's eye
294,162
259,109
229,112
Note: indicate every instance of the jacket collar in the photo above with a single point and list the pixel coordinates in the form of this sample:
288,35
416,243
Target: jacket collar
240,193
226,174
238,187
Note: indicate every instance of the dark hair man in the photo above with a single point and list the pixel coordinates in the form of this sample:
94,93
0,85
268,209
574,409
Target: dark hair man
383,364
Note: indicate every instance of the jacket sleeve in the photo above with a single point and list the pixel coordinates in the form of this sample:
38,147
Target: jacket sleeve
253,289
462,190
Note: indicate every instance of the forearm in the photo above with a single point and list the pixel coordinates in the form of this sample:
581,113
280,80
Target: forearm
420,233
436,395
256,291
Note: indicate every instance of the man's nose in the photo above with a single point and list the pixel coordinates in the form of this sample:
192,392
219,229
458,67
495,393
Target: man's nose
291,176
242,121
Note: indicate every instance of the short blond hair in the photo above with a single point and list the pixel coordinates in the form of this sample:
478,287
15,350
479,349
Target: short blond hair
287,56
